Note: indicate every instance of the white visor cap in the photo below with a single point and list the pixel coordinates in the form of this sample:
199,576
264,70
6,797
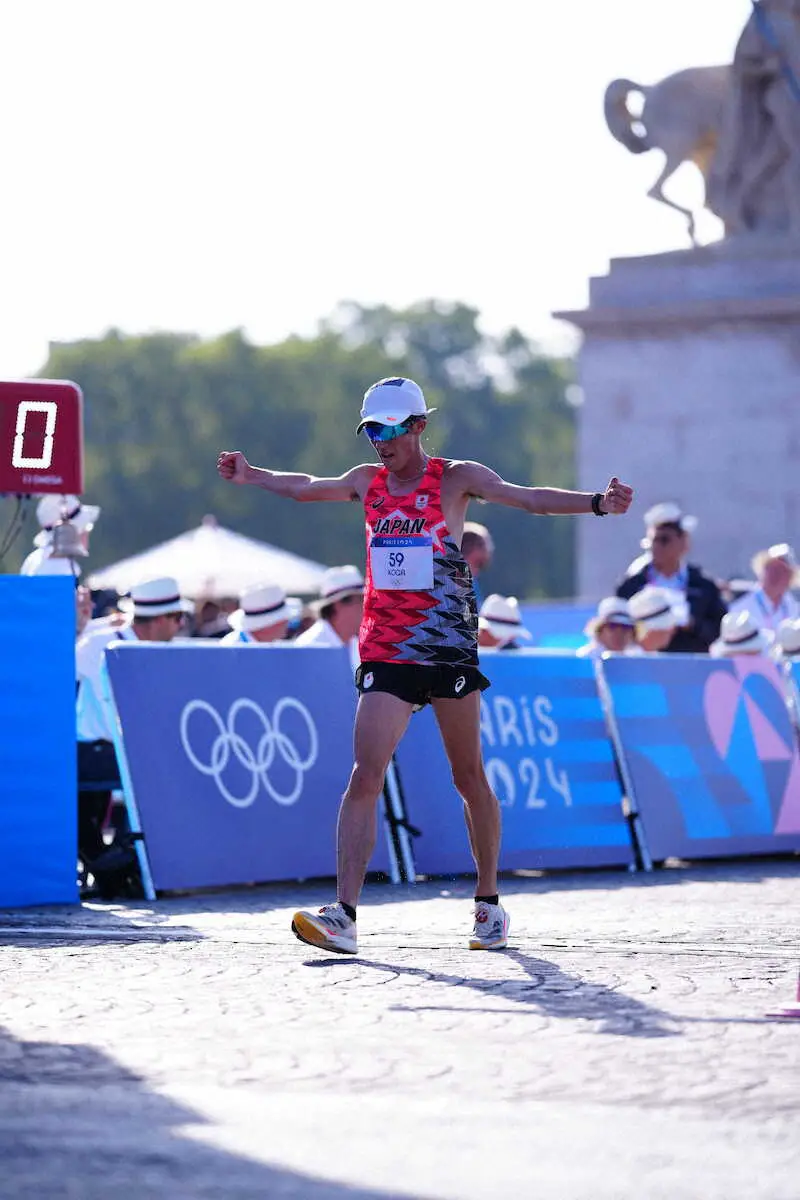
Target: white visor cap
392,401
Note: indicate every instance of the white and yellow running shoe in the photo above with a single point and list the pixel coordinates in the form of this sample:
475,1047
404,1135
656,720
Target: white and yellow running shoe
491,927
329,928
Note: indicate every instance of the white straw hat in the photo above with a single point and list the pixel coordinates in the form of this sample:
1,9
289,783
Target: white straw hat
337,584
788,637
781,551
262,606
612,610
392,401
155,597
52,509
500,615
654,607
740,634
669,513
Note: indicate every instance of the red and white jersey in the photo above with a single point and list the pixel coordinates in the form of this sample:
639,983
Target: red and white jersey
419,602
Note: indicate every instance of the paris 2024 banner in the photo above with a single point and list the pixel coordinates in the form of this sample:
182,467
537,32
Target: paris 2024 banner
549,759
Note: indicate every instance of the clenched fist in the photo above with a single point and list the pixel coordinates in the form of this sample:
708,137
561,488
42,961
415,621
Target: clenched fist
233,466
617,497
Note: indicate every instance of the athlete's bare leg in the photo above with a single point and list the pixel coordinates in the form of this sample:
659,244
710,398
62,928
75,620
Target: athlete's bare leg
381,721
459,723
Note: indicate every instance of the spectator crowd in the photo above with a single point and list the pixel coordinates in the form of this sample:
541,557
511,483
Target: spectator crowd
665,603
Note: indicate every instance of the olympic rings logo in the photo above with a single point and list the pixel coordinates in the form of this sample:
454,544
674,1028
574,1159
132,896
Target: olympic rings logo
229,745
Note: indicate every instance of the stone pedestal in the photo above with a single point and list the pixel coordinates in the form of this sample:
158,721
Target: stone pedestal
690,369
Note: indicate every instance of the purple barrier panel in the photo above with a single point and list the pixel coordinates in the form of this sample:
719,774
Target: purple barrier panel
236,758
710,751
549,759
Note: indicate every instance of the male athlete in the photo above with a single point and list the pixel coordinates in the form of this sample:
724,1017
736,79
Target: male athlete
418,642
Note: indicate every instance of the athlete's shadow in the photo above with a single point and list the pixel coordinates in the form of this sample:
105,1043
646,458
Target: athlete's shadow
546,989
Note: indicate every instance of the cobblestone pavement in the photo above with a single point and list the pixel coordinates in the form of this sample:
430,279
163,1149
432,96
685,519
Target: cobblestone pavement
620,1048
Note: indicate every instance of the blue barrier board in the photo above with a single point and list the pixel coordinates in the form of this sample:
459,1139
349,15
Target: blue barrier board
549,759
711,753
237,757
38,756
556,626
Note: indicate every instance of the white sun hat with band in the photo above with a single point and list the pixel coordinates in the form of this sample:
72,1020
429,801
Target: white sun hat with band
392,401
654,607
154,598
52,509
782,552
740,634
612,610
500,615
264,605
669,513
337,584
788,638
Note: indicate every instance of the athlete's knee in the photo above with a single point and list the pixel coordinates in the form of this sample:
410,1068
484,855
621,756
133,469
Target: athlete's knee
366,780
469,780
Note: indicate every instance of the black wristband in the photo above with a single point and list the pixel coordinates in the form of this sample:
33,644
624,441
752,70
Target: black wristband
596,509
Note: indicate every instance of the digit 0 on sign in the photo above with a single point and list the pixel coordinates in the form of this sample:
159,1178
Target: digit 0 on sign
41,437
43,461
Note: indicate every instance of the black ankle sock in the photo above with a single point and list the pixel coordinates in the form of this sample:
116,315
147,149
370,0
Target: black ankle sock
348,908
485,899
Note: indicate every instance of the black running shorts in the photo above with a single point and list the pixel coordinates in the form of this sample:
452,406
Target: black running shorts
419,685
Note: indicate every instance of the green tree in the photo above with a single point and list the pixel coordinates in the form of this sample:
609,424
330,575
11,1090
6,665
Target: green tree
160,407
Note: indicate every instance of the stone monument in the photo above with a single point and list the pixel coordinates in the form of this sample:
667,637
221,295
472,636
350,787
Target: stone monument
690,363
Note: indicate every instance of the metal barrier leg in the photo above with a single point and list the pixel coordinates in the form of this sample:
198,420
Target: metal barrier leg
640,847
401,852
127,790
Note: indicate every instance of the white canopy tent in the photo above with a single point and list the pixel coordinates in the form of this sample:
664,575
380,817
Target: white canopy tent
214,562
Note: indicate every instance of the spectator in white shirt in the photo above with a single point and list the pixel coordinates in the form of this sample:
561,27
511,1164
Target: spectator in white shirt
741,634
262,618
772,602
341,599
157,612
610,630
500,625
51,511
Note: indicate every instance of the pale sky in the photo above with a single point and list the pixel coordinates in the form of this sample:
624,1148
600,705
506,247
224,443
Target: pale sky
196,166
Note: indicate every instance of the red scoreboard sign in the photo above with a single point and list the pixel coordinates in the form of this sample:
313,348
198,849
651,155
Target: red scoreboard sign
41,437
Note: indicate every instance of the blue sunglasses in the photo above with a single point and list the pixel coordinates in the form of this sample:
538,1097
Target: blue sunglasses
387,433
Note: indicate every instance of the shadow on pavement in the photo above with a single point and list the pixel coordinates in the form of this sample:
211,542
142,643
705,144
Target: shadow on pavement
545,989
73,926
74,1123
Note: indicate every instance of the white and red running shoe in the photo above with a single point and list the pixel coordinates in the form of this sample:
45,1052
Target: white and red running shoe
329,928
491,927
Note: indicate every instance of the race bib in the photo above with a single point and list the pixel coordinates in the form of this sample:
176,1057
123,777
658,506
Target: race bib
403,563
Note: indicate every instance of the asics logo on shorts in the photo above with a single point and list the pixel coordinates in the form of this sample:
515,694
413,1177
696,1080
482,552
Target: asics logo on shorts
368,681
460,684
238,764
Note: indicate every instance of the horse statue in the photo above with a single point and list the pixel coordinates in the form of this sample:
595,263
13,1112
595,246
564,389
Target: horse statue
682,116
739,124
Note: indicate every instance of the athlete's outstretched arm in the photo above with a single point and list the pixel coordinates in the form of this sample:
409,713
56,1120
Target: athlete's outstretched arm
233,466
485,484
